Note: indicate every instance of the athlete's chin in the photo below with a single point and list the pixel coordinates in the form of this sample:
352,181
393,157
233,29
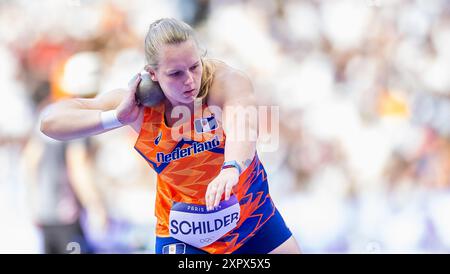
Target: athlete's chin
186,100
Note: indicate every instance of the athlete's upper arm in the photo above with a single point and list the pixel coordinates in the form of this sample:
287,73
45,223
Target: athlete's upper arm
104,101
239,90
232,87
234,93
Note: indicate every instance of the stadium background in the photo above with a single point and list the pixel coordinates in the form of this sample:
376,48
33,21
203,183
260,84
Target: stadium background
364,94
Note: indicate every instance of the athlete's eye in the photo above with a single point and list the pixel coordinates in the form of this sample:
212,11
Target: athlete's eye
175,74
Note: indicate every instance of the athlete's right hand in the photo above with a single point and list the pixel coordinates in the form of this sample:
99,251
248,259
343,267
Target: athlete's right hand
128,109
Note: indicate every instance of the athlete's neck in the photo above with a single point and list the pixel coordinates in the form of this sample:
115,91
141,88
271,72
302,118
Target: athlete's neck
181,114
197,103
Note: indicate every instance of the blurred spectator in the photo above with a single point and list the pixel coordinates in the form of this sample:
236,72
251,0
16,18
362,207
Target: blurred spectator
60,177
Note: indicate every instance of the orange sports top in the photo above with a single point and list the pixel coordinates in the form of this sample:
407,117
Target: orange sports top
187,164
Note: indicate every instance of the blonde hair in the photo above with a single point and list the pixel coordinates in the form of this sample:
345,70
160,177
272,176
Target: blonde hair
172,31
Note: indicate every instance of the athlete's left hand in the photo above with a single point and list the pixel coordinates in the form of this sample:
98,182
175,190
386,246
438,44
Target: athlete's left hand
223,183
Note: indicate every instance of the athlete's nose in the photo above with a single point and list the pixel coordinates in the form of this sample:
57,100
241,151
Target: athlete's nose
189,79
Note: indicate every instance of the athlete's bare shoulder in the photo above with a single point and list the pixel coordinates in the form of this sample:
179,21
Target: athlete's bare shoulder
228,82
224,72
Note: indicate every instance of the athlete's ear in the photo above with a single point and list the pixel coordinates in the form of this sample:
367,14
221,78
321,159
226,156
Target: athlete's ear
152,72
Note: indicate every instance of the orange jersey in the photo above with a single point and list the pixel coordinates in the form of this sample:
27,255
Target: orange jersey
187,164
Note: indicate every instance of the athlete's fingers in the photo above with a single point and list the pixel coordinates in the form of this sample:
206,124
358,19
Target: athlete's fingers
217,199
228,189
133,86
210,201
134,82
210,194
129,101
219,193
207,195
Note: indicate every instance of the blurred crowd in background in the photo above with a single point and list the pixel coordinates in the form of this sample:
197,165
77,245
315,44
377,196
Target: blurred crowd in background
363,89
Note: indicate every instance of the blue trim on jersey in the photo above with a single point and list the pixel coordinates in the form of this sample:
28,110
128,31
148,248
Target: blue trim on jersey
157,168
180,144
217,150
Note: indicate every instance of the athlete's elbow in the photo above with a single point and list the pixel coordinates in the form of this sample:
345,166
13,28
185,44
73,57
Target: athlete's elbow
48,127
45,125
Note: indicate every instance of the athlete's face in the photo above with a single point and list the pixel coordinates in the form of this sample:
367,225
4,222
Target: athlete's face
179,72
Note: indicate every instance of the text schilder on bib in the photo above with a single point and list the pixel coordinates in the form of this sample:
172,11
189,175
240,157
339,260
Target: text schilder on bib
194,225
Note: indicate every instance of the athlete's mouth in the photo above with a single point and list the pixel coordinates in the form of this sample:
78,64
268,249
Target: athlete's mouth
189,92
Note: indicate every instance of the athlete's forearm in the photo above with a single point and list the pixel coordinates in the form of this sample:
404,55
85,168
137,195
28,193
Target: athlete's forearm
242,152
70,119
240,145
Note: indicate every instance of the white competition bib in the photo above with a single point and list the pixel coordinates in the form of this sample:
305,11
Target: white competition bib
194,225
